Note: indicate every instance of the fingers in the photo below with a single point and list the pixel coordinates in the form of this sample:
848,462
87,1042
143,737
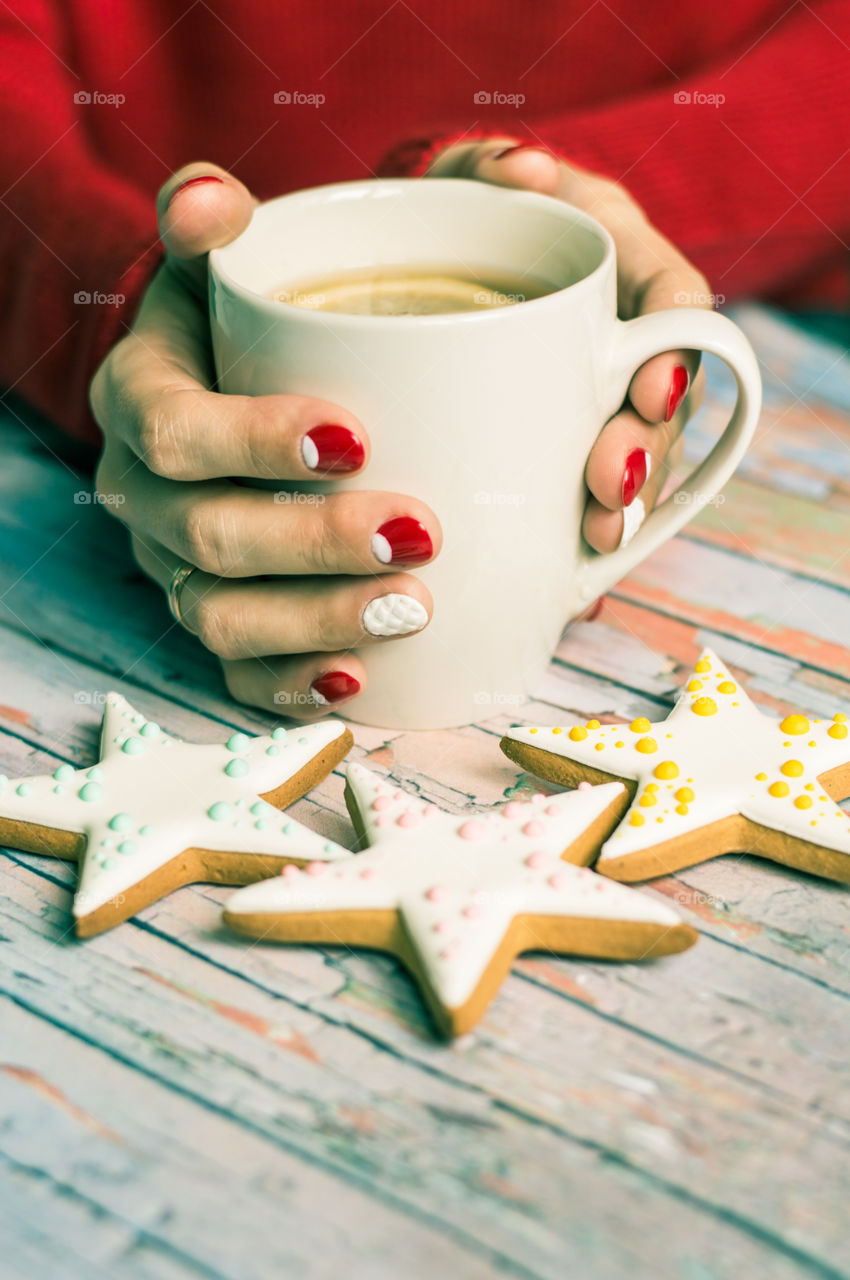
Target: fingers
199,208
304,687
248,618
238,532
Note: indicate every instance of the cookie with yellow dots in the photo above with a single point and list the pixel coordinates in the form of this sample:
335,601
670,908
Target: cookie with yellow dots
717,776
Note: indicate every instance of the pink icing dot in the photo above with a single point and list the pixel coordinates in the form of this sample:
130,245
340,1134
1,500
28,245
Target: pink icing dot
534,828
552,811
473,911
558,880
449,951
472,830
398,795
429,810
290,870
583,786
441,927
437,893
316,868
381,802
367,873
536,860
382,820
512,809
538,797
408,819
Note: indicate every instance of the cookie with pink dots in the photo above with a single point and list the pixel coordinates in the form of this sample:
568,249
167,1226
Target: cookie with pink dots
456,898
155,813
717,776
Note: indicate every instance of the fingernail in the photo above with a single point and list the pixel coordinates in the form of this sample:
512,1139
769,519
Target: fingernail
679,384
520,146
402,541
636,470
394,615
332,449
333,686
194,182
633,518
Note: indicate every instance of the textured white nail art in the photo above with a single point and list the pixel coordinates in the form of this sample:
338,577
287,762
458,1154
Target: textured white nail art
381,548
319,698
633,518
394,615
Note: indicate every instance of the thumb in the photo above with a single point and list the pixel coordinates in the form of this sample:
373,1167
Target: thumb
199,208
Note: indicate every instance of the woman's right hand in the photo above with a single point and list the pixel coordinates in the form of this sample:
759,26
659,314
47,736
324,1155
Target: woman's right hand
283,591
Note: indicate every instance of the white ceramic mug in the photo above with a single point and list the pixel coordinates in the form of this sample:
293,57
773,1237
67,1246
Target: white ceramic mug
487,416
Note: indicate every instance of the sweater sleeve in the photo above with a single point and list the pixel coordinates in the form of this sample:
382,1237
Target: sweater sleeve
78,243
744,163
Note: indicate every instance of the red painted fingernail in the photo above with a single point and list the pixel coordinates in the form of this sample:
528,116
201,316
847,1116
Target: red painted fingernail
334,686
194,182
679,384
634,475
402,541
332,449
520,146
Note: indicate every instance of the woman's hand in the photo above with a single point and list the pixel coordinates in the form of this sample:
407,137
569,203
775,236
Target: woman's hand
638,448
282,590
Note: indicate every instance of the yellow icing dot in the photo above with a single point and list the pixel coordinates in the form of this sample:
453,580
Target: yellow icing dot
821,798
803,802
694,686
659,819
557,731
685,795
652,786
647,800
593,724
702,666
761,777
837,731
666,769
641,725
814,822
704,707
646,746
619,744
778,789
811,744
786,744
727,687
840,717
795,724
682,808
736,704
792,768
810,786
532,731
600,746
578,733
637,820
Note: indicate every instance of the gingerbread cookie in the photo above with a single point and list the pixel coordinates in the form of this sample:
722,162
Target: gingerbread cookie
456,898
717,776
155,813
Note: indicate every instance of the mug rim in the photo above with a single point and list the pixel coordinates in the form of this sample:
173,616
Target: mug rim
219,272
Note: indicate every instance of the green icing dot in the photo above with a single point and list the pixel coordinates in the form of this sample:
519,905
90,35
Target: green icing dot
220,811
108,864
138,719
329,848
273,750
279,734
128,846
24,789
121,822
91,791
133,747
59,790
106,844
259,809
302,742
146,830
289,828
260,824
236,768
150,730
238,742
95,774
64,773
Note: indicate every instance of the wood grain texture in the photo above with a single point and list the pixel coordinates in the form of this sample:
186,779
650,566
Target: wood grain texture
174,1103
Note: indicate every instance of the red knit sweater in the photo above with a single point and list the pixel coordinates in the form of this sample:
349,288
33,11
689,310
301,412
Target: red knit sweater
755,187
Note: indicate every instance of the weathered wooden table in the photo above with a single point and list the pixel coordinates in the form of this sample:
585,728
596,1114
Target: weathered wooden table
176,1103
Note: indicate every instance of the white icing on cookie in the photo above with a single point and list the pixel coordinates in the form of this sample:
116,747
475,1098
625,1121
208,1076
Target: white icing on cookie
150,796
715,756
458,881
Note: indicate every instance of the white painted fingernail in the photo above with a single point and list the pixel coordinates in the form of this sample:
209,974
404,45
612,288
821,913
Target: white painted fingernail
394,615
381,548
633,518
309,453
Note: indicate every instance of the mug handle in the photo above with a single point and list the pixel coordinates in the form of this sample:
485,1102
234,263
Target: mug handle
637,341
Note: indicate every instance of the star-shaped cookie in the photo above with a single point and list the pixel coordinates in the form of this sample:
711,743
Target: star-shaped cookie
717,776
155,813
456,898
